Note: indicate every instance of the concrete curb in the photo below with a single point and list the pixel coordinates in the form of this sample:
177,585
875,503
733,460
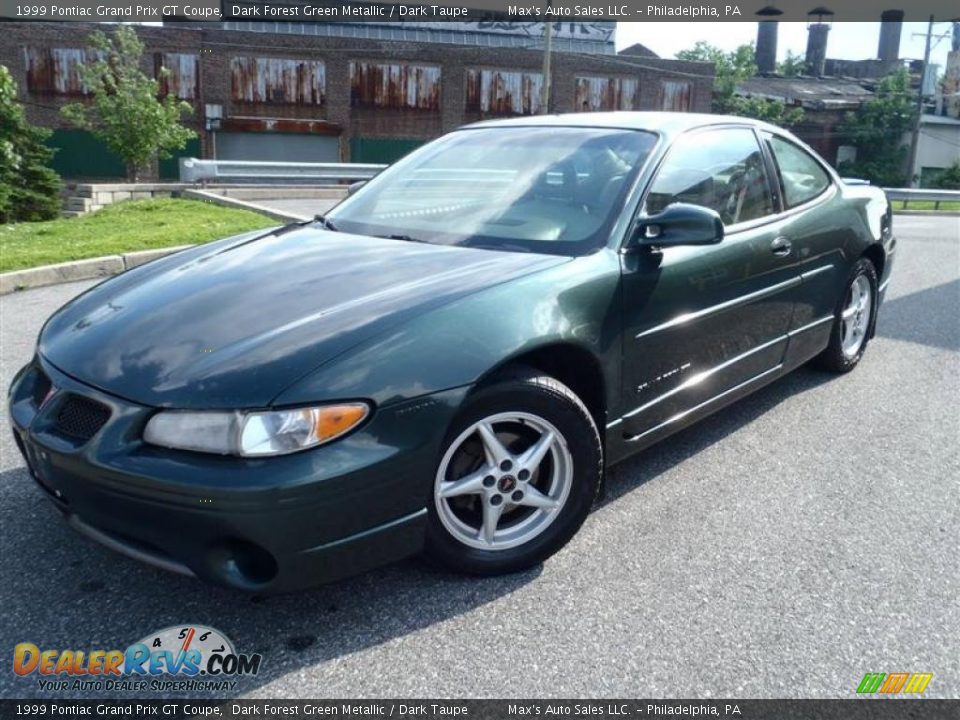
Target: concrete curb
242,205
927,213
91,269
113,264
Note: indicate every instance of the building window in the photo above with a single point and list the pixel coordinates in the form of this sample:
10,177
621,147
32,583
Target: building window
503,92
395,85
675,95
56,70
183,74
279,81
606,93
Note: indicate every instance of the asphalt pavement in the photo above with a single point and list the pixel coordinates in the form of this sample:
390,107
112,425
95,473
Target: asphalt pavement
781,548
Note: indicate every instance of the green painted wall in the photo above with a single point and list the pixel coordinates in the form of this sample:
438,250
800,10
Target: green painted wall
170,168
381,150
81,155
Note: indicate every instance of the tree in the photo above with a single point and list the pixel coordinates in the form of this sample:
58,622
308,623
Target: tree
731,68
792,65
949,179
876,130
29,189
126,110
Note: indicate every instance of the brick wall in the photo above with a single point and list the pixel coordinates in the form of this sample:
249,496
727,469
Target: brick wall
216,48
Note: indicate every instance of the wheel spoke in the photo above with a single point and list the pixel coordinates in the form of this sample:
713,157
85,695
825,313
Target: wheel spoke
491,518
849,312
492,447
533,456
534,498
471,484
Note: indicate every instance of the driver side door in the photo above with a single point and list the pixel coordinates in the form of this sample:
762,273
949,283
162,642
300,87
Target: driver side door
702,322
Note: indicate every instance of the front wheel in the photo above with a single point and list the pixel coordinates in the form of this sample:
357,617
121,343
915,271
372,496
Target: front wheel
853,320
520,470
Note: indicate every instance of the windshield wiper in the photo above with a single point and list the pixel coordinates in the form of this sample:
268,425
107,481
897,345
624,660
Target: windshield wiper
405,238
324,223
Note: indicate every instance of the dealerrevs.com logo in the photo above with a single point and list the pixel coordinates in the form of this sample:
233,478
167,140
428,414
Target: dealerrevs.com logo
184,657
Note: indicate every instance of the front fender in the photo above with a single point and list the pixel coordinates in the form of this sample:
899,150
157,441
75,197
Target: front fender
457,344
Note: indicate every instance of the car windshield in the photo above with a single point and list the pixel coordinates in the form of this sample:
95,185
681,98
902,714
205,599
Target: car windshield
542,189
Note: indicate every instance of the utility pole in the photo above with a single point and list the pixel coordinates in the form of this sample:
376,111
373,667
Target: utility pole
547,48
915,138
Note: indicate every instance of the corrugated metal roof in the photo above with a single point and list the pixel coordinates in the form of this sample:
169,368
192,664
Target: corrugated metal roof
808,92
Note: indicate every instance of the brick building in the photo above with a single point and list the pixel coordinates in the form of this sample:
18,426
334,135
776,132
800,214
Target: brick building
262,94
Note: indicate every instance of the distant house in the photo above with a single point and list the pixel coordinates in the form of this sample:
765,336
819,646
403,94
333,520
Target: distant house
938,149
833,87
825,101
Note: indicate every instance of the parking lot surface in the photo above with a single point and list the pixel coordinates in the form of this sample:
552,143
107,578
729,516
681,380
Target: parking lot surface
781,548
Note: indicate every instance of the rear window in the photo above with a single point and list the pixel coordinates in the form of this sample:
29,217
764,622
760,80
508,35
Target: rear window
802,178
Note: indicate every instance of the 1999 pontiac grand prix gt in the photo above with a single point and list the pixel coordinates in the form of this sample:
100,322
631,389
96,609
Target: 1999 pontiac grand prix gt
449,359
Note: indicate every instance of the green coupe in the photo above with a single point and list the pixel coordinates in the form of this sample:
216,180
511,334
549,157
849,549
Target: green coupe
451,358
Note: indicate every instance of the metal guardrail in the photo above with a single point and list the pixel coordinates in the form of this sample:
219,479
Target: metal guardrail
194,170
907,195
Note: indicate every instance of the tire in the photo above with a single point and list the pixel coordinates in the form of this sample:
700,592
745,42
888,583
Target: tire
853,320
542,502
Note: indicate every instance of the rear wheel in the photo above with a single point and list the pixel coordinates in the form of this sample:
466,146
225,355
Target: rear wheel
520,470
853,320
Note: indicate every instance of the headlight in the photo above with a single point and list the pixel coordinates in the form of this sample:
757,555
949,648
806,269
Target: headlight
253,434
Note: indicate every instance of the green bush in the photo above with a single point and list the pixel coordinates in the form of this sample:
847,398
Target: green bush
29,189
876,130
949,179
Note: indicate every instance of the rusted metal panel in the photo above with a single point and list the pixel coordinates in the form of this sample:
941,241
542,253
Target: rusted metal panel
183,77
280,125
55,70
503,92
676,95
278,81
606,93
395,85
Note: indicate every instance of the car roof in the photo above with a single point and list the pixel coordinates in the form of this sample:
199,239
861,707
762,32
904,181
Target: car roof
668,123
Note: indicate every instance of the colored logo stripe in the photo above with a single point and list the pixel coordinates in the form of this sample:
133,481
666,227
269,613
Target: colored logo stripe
894,683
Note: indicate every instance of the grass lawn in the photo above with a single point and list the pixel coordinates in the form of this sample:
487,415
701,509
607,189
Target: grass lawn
122,227
925,205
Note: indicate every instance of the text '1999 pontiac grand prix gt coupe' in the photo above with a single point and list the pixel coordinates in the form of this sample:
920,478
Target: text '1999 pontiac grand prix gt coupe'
451,357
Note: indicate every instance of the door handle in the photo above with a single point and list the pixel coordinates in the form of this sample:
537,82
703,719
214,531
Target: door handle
781,246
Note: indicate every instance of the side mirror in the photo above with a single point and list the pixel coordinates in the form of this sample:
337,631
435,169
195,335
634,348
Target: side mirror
679,224
353,187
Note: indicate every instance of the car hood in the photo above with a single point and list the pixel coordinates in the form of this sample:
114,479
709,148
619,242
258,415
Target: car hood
233,324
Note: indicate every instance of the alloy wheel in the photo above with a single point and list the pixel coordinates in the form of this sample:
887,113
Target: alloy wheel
503,481
855,318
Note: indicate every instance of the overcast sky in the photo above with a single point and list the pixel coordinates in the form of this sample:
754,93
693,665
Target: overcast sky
848,40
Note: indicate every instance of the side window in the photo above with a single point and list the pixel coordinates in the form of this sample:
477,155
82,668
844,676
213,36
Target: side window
801,176
719,169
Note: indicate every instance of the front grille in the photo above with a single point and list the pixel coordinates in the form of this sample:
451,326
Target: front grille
41,387
81,418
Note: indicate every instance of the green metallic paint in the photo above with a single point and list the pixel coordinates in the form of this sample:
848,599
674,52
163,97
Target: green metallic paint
677,333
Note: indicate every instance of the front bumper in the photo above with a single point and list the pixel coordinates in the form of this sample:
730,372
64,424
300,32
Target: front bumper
264,524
